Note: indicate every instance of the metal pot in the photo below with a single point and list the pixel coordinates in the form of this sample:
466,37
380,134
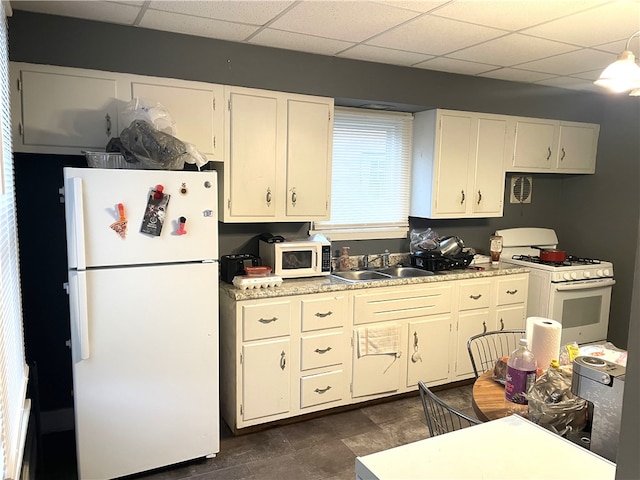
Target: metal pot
552,255
450,246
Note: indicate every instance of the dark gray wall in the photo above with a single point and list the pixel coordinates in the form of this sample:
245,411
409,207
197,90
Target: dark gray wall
594,215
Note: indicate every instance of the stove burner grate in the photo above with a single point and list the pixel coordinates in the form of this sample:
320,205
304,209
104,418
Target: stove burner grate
570,260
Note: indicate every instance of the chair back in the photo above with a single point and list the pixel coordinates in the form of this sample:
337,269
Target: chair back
486,348
442,418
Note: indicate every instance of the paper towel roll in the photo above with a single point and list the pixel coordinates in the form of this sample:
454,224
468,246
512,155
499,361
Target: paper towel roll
544,336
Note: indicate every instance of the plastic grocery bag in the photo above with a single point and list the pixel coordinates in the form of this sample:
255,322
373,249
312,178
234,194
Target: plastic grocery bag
150,111
553,405
422,239
152,148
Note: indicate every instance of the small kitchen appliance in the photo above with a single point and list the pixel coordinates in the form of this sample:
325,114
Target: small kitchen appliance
234,265
309,257
601,383
572,290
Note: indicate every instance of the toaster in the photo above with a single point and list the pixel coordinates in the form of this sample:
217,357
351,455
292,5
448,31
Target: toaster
233,265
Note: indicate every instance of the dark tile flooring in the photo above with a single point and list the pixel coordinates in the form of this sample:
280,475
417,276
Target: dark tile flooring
322,448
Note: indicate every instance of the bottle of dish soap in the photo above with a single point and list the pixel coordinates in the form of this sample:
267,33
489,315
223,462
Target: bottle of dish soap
345,263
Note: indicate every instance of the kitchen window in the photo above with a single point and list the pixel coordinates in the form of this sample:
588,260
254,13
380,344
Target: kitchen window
370,175
14,407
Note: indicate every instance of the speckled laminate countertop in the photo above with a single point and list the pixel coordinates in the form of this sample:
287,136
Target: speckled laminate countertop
302,286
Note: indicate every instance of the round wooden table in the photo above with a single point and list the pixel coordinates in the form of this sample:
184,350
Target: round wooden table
488,398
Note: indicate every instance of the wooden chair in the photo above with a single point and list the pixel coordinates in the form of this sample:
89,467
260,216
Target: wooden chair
485,348
442,418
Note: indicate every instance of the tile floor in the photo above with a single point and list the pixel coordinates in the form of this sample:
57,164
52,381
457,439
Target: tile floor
322,448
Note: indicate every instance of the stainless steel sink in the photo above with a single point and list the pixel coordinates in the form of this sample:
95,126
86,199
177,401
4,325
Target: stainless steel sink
405,272
382,274
361,275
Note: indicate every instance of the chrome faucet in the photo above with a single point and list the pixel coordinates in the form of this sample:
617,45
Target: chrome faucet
384,256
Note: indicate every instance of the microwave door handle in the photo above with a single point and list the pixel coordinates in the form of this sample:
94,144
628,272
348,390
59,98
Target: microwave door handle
608,282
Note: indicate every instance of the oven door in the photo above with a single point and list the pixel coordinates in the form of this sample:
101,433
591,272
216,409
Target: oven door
582,308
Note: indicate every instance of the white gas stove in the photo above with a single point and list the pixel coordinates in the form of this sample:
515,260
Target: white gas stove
575,291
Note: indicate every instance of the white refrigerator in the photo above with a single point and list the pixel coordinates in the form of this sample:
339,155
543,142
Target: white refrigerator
143,293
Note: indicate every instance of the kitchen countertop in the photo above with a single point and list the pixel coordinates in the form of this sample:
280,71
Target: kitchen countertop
302,286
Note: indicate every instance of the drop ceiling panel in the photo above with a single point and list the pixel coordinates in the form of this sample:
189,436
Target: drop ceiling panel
251,12
384,55
516,75
280,39
569,63
455,66
606,23
335,19
203,27
512,15
109,12
512,50
434,36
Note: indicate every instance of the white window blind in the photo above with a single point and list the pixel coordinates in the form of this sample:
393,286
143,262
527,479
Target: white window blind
14,407
370,175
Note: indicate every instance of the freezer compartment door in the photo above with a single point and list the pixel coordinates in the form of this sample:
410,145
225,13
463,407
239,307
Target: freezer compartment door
92,199
146,372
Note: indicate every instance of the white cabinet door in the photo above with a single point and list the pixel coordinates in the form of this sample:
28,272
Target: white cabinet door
63,110
535,141
577,148
375,374
510,318
488,185
452,165
266,378
470,323
428,350
309,140
251,173
196,109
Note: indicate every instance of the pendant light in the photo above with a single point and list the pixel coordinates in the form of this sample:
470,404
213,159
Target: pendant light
623,74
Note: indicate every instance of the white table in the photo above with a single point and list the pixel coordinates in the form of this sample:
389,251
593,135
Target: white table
509,448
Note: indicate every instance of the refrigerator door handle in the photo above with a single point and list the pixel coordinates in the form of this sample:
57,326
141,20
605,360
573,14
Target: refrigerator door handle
77,207
82,320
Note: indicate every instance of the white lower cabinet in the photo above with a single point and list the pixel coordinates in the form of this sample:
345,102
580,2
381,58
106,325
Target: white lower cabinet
287,356
266,379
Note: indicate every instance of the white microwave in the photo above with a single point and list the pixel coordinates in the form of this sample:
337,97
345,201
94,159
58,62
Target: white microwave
297,258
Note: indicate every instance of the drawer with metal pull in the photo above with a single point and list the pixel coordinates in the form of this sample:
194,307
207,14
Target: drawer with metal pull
474,295
323,312
266,320
321,350
512,289
321,388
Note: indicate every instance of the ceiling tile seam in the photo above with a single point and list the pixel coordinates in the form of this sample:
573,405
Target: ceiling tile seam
273,19
549,57
141,13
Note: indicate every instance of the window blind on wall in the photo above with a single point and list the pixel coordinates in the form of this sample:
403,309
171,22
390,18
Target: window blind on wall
14,407
370,173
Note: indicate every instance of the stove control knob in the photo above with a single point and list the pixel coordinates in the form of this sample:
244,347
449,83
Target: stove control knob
607,273
599,272
567,276
574,276
587,274
605,379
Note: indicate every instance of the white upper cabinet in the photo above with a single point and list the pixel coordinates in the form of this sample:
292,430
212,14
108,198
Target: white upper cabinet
196,109
278,158
457,167
551,146
62,110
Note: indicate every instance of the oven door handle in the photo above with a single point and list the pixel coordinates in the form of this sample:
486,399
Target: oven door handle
563,287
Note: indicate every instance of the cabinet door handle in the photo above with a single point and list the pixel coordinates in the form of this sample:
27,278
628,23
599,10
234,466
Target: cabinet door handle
548,153
484,327
283,360
108,123
268,320
563,154
268,197
321,351
462,197
501,324
475,297
512,292
323,315
294,197
322,390
479,197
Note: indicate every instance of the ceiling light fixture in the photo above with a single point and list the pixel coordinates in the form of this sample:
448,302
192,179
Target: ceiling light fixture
623,74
